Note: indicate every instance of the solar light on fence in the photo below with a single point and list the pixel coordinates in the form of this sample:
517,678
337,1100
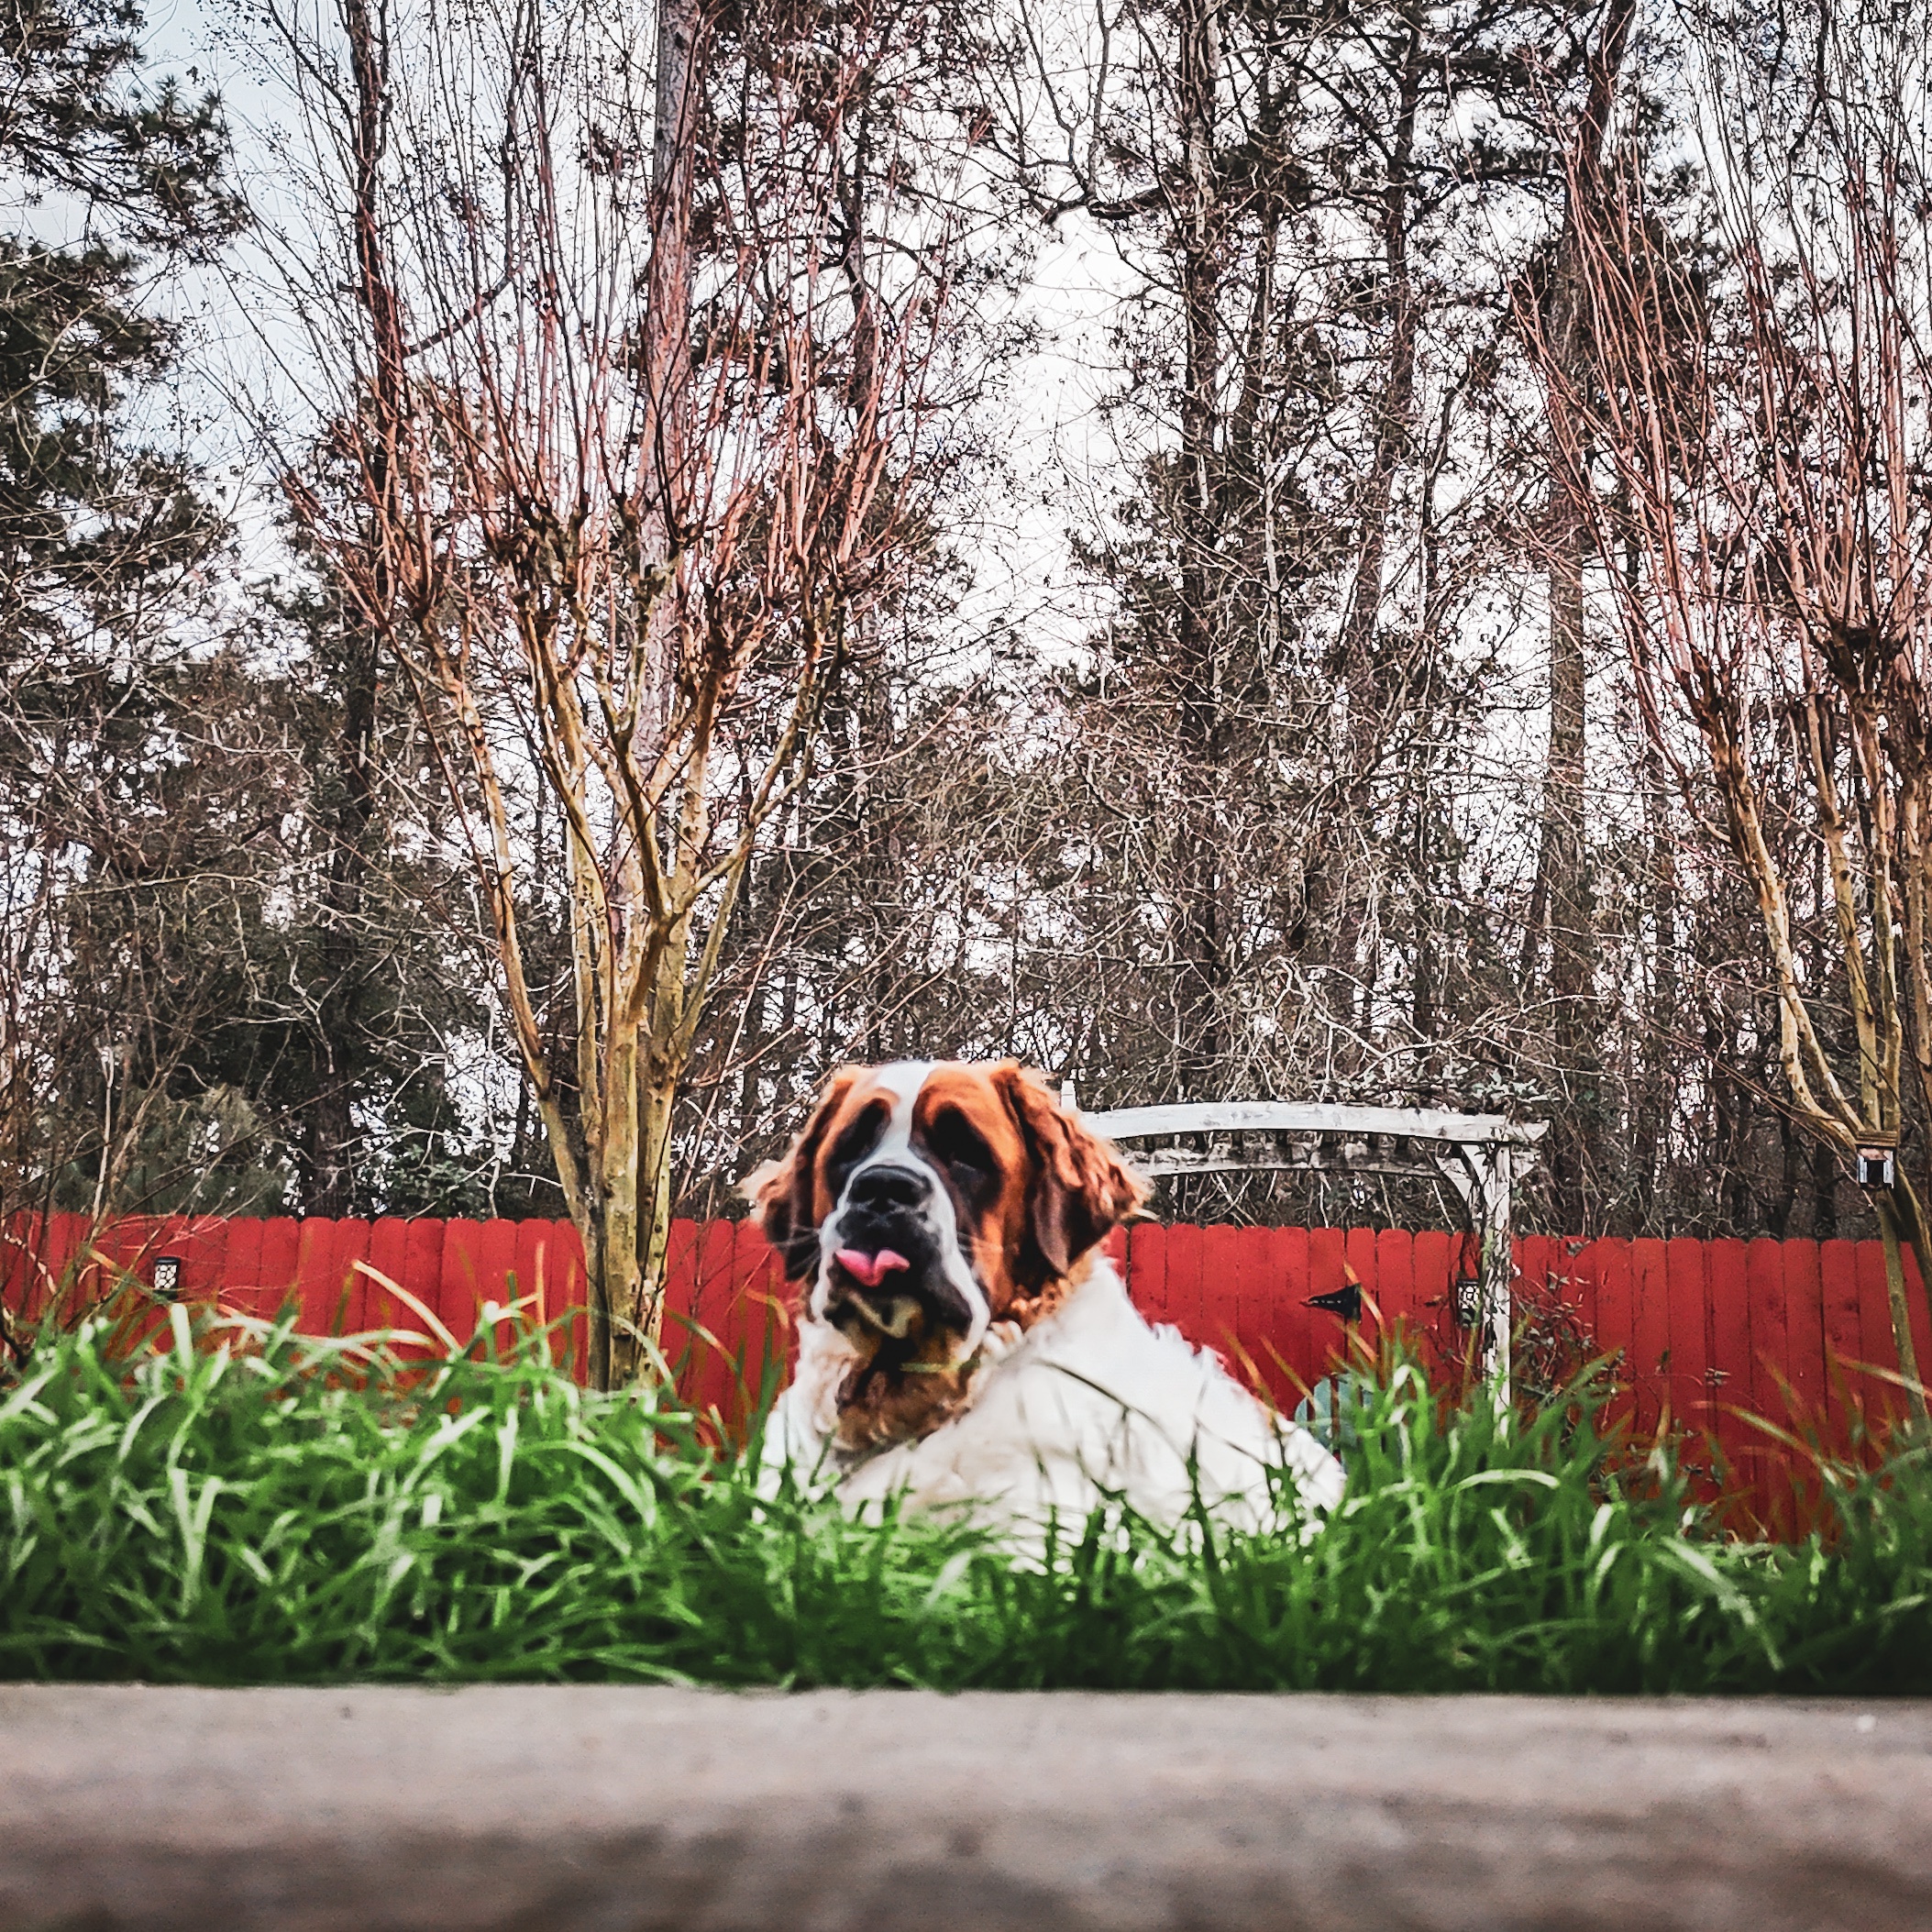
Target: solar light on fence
1876,1161
167,1277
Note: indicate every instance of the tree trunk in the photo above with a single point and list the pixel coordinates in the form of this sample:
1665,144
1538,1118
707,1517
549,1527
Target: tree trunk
1357,643
668,316
1889,1221
331,1188
1562,900
1824,1191
1201,962
657,1105
1662,1020
637,1090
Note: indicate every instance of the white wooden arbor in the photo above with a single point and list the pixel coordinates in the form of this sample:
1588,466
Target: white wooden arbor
1479,1155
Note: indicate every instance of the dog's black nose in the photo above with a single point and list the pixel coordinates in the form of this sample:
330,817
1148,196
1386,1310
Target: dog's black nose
886,1186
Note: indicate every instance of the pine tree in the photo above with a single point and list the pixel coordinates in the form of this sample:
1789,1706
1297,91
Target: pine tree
117,178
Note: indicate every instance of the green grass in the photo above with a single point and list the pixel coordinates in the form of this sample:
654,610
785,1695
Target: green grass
299,1511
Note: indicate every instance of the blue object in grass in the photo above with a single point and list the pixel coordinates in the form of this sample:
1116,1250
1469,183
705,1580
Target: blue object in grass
1330,1411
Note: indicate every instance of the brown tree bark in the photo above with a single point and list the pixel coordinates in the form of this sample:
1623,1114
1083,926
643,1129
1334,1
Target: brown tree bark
1200,961
1562,909
1355,650
330,1136
331,1132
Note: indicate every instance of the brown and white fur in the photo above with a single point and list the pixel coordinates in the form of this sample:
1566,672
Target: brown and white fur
963,1339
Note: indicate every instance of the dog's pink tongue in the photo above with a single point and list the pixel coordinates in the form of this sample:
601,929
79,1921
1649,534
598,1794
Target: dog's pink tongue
869,1270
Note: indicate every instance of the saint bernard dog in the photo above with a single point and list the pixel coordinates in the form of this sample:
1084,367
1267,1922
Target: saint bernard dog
963,1341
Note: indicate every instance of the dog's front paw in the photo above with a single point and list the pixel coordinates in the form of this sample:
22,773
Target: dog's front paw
1001,1337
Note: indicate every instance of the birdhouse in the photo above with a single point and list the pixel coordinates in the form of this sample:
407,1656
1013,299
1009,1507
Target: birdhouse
1876,1157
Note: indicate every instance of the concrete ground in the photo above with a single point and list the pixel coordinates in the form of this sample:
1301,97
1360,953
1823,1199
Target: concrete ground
832,1811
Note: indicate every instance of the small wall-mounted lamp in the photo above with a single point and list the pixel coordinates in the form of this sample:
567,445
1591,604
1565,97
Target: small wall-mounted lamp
1876,1157
167,1277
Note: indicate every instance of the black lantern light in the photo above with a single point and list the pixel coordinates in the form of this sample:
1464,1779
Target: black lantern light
167,1277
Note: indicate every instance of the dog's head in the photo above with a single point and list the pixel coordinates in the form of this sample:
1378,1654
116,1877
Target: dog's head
922,1203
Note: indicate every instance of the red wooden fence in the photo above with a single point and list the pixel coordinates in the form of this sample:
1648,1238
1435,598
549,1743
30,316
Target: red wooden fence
1707,1333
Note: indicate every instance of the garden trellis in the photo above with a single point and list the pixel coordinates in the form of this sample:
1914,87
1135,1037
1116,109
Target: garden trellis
1479,1155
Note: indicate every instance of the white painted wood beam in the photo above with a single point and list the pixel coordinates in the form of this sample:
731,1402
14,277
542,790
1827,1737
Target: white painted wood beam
1476,1130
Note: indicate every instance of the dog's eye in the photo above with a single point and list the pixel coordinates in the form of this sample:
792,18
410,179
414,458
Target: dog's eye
954,1142
858,1141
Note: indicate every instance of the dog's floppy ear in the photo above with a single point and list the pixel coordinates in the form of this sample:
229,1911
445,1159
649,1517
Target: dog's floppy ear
782,1191
1079,1189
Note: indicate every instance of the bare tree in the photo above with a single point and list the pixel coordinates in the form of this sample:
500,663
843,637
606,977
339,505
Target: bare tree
1759,413
1560,899
636,426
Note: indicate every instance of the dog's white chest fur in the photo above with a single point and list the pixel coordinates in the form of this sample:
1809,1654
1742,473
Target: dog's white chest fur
1091,1402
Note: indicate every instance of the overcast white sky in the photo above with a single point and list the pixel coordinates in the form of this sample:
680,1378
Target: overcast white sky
1060,456
1057,452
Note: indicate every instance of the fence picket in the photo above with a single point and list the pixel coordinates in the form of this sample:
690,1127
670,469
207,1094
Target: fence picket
764,1301
1436,1262
1884,1400
1771,1377
422,1275
1147,1269
1327,1265
535,1280
678,1333
1805,1329
1921,1318
1283,1333
66,1257
21,1240
1222,1263
718,1336
280,1256
1536,1260
1730,1358
1844,1342
1361,1252
1184,1280
349,1300
314,1289
200,1242
388,1255
459,1277
1251,1287
1688,1386
495,1257
1579,1270
1394,1286
1649,1332
573,1294
238,1289
1538,1273
1617,1313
